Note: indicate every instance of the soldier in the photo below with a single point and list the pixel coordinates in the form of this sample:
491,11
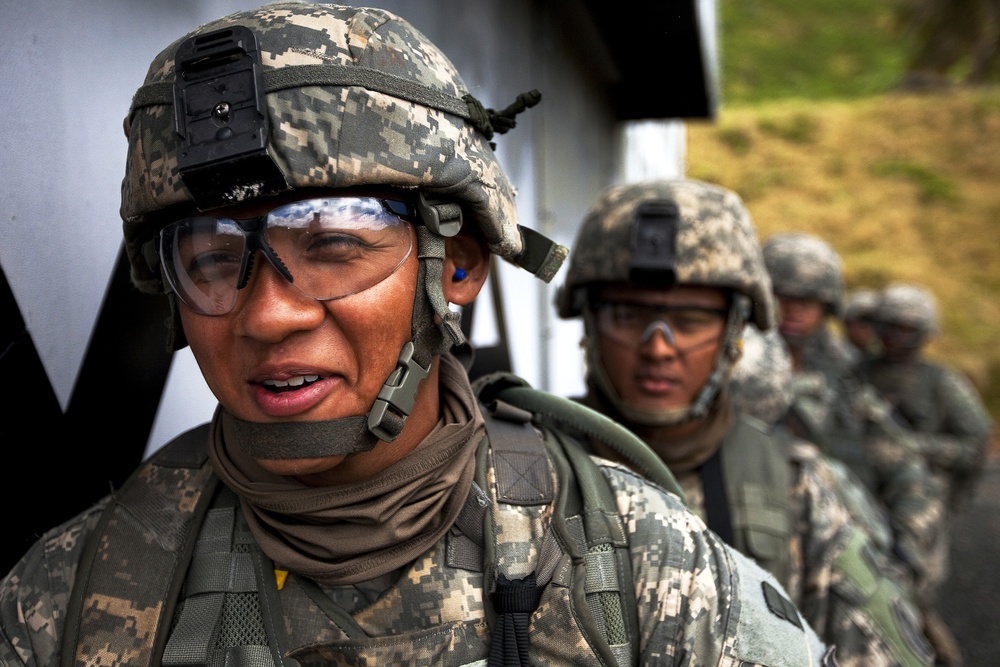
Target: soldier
856,319
665,276
848,418
938,404
311,186
936,401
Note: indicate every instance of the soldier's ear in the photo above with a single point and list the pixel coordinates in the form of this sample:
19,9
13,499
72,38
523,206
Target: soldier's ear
466,266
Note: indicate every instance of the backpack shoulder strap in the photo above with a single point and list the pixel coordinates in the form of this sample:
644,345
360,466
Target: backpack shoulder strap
585,525
132,567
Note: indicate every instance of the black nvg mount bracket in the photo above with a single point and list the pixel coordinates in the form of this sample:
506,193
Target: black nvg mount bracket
221,118
654,244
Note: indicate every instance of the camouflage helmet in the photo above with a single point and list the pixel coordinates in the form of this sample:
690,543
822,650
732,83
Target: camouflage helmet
714,243
859,304
761,383
352,96
908,305
804,266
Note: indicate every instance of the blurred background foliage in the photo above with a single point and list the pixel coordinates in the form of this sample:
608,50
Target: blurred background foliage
876,126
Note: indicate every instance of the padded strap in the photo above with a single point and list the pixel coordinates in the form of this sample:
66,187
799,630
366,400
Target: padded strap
151,521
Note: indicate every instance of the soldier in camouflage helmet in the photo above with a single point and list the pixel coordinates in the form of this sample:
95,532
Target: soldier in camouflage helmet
859,305
937,404
847,416
669,279
311,186
808,283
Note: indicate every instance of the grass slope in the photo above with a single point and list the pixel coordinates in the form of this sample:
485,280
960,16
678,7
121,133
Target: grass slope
904,186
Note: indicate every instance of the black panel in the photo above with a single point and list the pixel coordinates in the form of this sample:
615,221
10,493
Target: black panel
59,464
658,52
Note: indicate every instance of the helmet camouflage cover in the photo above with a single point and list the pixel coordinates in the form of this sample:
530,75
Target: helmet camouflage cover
908,305
806,267
860,304
761,383
354,96
716,244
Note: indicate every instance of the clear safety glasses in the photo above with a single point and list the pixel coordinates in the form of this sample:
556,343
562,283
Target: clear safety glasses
328,247
683,327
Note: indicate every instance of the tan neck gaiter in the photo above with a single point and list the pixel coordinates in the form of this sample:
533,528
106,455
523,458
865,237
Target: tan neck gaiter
680,453
352,533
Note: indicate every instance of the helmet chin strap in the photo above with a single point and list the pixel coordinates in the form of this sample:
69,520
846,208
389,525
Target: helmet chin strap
436,329
727,356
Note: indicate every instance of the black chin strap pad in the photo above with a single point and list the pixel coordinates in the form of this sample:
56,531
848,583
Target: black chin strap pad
303,440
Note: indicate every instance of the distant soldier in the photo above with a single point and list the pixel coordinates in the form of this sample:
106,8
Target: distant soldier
936,401
856,318
665,276
830,407
809,286
941,410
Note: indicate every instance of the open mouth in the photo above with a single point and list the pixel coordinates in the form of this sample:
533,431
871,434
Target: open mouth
291,384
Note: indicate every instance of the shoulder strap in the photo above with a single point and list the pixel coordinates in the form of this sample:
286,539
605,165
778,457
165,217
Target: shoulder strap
131,570
580,419
585,525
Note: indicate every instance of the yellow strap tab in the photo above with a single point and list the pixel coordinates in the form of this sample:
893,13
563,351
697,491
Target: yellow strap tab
279,578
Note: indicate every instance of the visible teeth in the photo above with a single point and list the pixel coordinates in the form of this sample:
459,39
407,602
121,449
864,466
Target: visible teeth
296,381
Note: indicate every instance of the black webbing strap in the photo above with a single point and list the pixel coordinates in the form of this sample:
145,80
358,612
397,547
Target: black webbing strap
716,503
523,477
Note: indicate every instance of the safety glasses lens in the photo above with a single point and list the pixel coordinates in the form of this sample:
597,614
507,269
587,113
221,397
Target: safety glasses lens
329,248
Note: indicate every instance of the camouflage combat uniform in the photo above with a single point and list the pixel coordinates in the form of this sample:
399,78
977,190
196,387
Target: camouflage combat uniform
761,388
772,501
937,406
699,602
848,418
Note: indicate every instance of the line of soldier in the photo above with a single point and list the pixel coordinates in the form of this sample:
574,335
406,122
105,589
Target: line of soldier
357,500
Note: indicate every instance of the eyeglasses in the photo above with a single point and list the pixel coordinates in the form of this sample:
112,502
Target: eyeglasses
684,327
328,247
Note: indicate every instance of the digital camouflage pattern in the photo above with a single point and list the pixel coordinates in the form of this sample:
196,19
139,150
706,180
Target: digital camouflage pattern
334,136
699,602
761,387
716,244
823,533
851,421
908,305
805,266
761,382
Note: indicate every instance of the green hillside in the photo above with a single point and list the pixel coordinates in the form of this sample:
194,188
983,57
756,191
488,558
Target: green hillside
815,135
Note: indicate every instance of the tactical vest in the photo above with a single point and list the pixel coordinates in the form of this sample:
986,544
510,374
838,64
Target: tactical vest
756,477
173,525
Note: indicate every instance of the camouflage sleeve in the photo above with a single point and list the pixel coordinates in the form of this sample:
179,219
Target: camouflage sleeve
700,602
960,445
35,594
914,499
852,594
